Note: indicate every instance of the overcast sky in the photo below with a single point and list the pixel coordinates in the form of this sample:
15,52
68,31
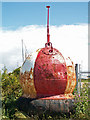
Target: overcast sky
27,21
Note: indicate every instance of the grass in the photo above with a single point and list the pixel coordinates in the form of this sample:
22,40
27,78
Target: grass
84,80
11,91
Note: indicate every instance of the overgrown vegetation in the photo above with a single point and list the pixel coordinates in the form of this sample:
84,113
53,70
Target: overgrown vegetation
82,103
11,91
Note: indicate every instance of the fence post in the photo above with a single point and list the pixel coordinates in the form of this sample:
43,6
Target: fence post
80,76
76,70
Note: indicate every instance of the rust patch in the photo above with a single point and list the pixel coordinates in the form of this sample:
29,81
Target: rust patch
27,84
71,78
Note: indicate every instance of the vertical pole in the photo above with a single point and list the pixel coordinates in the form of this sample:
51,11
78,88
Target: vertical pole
48,35
25,52
80,76
22,52
76,69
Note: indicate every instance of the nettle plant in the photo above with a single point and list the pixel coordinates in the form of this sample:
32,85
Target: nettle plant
81,103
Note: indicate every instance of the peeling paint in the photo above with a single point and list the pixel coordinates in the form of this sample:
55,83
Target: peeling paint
28,84
54,76
26,75
71,77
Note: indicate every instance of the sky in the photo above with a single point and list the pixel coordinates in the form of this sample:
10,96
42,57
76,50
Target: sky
45,0
27,21
21,14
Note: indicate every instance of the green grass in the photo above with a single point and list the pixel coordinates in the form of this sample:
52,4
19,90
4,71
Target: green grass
11,91
84,80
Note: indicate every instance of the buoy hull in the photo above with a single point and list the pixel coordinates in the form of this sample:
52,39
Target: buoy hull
50,73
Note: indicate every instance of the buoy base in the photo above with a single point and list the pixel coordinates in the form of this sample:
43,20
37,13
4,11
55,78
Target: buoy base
42,105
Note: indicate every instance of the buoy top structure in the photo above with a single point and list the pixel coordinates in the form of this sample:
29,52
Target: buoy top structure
48,35
47,74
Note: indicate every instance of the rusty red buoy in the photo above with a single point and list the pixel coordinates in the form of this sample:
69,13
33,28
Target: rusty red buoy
50,72
46,75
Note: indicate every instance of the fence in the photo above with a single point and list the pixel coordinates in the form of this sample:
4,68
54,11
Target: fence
79,73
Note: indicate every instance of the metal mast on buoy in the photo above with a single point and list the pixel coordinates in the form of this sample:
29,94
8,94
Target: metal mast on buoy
48,44
48,35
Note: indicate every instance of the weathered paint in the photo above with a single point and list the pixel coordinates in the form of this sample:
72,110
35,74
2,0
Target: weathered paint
29,62
45,74
59,97
71,77
50,73
28,84
27,77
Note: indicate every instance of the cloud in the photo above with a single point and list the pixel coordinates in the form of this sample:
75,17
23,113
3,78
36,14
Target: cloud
70,40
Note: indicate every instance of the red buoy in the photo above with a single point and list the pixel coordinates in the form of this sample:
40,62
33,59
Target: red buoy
45,73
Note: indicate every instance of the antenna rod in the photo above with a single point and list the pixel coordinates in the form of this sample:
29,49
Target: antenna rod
48,35
22,52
